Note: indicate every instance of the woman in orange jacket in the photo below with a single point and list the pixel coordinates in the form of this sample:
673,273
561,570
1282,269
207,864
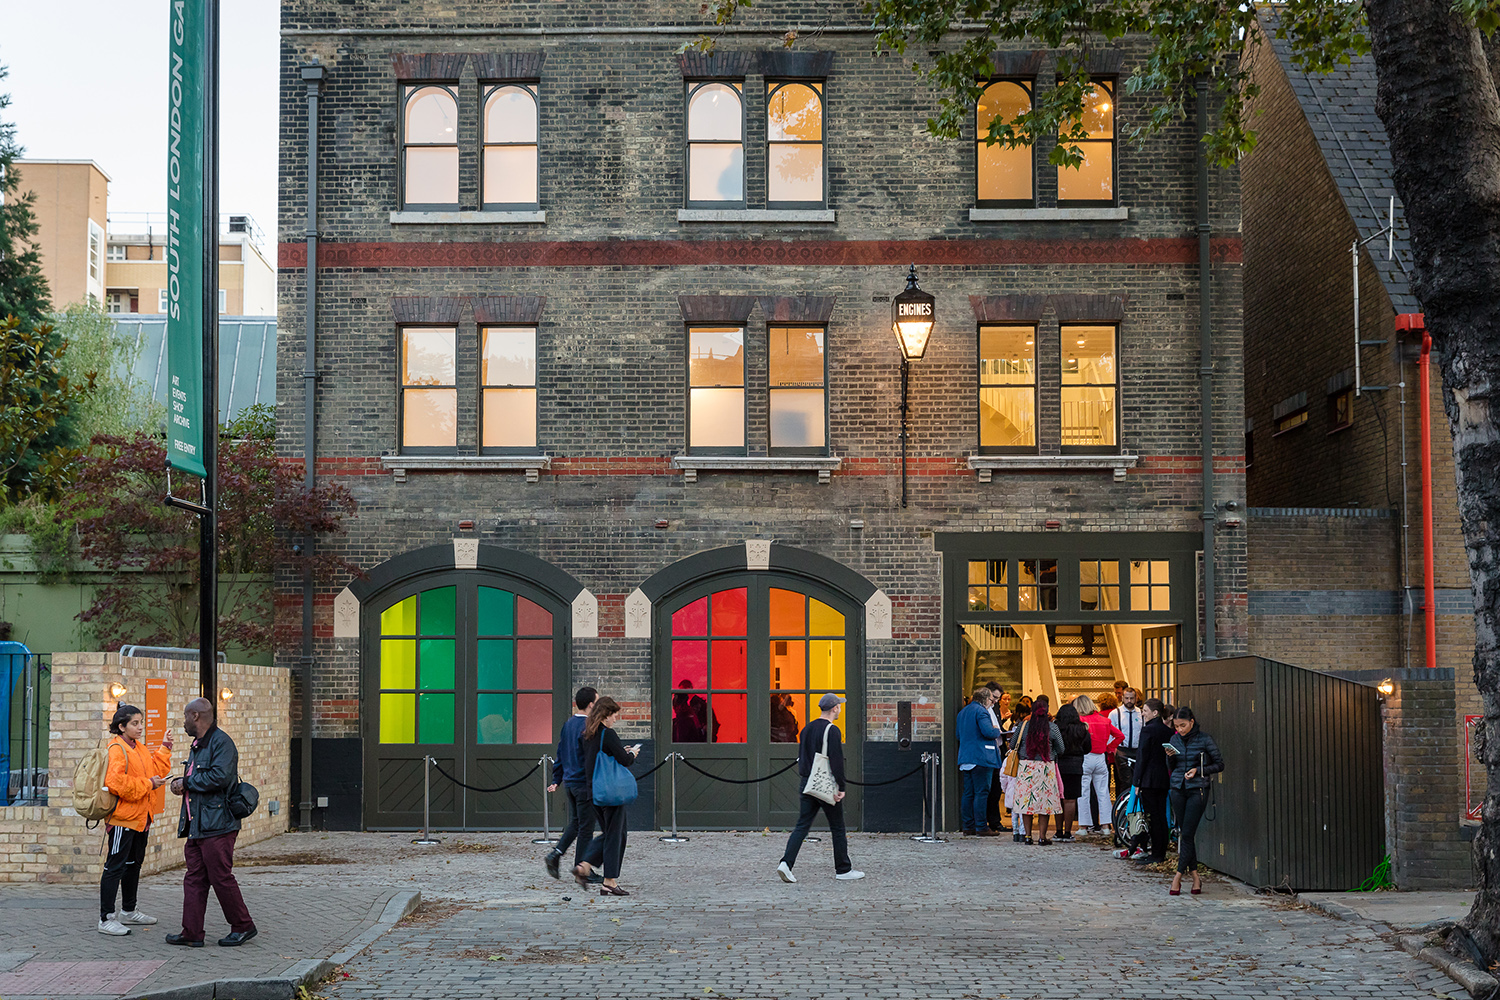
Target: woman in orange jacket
134,774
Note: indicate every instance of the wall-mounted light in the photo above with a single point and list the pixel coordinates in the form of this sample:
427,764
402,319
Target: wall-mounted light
1386,687
117,690
226,694
913,313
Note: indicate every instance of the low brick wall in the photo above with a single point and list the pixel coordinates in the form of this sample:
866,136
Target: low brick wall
51,844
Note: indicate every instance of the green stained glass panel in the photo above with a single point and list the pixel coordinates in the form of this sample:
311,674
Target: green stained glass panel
398,663
496,664
400,619
437,664
398,718
435,718
497,719
438,613
497,612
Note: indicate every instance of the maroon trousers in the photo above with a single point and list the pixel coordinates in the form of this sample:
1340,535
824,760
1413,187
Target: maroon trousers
210,862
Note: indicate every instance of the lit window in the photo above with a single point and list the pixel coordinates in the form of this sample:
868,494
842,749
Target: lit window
510,147
1099,585
429,389
1093,182
987,585
1150,586
1004,174
1036,585
1007,387
794,137
1291,421
798,374
1341,409
716,389
1090,389
507,372
429,148
715,141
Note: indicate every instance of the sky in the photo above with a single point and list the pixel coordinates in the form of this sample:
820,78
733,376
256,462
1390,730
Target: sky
88,81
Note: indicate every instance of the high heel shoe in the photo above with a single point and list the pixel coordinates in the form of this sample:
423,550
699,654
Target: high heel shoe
1197,889
1176,889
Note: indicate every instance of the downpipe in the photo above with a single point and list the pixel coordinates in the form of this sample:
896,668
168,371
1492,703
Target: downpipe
1206,384
313,76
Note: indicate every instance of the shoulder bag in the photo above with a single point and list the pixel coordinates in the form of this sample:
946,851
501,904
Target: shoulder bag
821,784
1013,759
242,798
614,785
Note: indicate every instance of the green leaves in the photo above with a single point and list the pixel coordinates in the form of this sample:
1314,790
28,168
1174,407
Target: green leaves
34,397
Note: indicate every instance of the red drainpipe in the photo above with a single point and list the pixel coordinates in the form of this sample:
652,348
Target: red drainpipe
1414,323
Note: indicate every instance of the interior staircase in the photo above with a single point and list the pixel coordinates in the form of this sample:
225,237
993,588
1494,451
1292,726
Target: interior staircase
1080,660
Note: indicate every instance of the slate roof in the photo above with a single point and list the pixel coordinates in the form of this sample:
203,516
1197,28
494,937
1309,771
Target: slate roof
247,358
1340,110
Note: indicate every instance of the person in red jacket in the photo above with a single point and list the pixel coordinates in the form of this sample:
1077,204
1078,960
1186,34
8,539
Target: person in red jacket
136,775
1105,737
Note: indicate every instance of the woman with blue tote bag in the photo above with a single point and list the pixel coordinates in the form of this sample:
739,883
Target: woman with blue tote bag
612,787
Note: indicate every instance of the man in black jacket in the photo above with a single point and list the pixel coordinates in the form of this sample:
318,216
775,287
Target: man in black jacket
812,744
210,828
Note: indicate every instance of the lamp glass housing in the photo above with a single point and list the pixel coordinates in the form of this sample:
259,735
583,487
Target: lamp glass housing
912,315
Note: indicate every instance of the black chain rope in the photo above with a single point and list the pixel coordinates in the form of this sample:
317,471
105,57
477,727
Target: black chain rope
534,768
873,784
641,777
736,781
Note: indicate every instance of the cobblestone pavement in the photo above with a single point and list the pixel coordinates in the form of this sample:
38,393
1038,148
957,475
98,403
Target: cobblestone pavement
965,920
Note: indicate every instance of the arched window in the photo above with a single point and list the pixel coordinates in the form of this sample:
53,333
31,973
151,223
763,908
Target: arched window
716,147
511,163
1093,183
429,135
1004,174
794,138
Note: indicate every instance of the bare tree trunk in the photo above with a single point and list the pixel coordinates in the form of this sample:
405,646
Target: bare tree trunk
1438,100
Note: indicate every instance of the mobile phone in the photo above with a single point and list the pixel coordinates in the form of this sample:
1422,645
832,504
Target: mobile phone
1169,749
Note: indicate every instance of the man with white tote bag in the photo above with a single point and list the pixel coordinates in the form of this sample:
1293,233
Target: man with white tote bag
820,763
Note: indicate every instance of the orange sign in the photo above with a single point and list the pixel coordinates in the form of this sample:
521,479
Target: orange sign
156,728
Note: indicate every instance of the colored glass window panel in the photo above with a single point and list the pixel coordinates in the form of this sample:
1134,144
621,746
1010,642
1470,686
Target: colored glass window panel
729,612
788,665
690,664
496,718
788,612
497,611
400,619
729,718
532,618
825,620
534,664
729,666
692,619
435,718
534,718
398,663
689,718
825,663
398,718
437,611
496,667
787,715
813,711
436,662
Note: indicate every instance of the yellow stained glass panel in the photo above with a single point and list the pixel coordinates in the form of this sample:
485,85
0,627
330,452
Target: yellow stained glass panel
825,621
398,663
398,718
825,664
400,619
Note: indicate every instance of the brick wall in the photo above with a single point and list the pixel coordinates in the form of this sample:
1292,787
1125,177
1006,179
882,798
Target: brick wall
51,844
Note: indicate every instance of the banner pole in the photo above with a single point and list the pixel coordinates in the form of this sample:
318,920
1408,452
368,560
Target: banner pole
208,583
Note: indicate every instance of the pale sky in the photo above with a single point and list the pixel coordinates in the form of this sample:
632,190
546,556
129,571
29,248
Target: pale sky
88,81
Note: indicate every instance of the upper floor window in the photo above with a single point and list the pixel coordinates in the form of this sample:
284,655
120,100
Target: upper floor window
116,251
1093,182
716,390
511,164
1090,389
507,375
429,142
1007,389
715,145
429,389
1004,174
798,390
794,145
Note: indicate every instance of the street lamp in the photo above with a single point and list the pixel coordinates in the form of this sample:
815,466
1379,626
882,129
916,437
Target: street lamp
912,315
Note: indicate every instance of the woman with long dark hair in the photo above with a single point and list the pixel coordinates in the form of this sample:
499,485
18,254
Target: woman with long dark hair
1153,771
1076,743
1194,756
1035,782
609,847
134,774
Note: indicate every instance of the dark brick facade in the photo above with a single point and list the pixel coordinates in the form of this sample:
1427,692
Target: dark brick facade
619,275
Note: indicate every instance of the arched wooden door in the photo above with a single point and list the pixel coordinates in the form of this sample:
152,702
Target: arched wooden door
471,668
741,664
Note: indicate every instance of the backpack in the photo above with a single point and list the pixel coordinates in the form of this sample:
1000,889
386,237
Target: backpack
91,799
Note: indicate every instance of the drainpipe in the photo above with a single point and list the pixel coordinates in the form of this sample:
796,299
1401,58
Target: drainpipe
1206,382
313,75
1417,323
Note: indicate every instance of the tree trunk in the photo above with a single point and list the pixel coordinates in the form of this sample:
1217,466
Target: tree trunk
1440,107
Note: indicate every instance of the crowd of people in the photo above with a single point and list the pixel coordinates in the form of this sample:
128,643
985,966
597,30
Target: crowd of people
1049,774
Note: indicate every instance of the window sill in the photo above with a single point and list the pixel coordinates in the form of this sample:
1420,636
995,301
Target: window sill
463,218
755,215
690,464
987,465
400,465
1049,214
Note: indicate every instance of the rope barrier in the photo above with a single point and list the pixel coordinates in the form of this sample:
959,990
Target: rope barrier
642,777
736,781
875,784
472,788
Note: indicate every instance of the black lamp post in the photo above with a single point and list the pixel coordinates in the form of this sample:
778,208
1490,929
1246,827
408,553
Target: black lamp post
911,320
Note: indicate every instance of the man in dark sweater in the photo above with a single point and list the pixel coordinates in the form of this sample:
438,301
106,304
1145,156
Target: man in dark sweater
567,770
811,746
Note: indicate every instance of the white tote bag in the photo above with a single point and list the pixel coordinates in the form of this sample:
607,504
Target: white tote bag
821,784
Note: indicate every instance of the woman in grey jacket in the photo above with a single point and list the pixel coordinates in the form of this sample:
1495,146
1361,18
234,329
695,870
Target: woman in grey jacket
1194,756
1036,782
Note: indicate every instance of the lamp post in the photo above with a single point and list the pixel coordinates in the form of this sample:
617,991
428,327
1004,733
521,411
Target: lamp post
911,320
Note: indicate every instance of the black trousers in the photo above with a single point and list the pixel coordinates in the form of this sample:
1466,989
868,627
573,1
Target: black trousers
992,807
122,869
1188,805
835,814
607,849
1124,771
1154,801
580,804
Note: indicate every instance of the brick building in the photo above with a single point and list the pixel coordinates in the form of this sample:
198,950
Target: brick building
604,348
1332,436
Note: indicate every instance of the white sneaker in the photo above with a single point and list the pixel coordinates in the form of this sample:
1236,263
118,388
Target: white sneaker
113,927
1140,855
785,871
850,875
134,917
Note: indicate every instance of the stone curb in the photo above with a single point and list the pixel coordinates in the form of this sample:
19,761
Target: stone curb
1480,984
302,973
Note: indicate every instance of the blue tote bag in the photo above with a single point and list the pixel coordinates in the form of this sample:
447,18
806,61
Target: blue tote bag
614,785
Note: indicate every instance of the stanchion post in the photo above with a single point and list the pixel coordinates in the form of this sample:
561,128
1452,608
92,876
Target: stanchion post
674,838
929,834
921,835
426,840
546,837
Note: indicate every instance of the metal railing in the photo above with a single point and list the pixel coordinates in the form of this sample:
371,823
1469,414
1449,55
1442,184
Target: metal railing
26,780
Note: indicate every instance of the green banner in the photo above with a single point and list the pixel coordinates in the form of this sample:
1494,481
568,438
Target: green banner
185,235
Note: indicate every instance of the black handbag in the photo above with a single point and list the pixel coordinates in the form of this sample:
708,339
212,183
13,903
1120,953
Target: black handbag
242,799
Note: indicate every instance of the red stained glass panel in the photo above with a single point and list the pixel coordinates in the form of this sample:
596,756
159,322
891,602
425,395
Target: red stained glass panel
690,664
533,718
729,669
692,619
729,718
534,665
729,612
532,618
